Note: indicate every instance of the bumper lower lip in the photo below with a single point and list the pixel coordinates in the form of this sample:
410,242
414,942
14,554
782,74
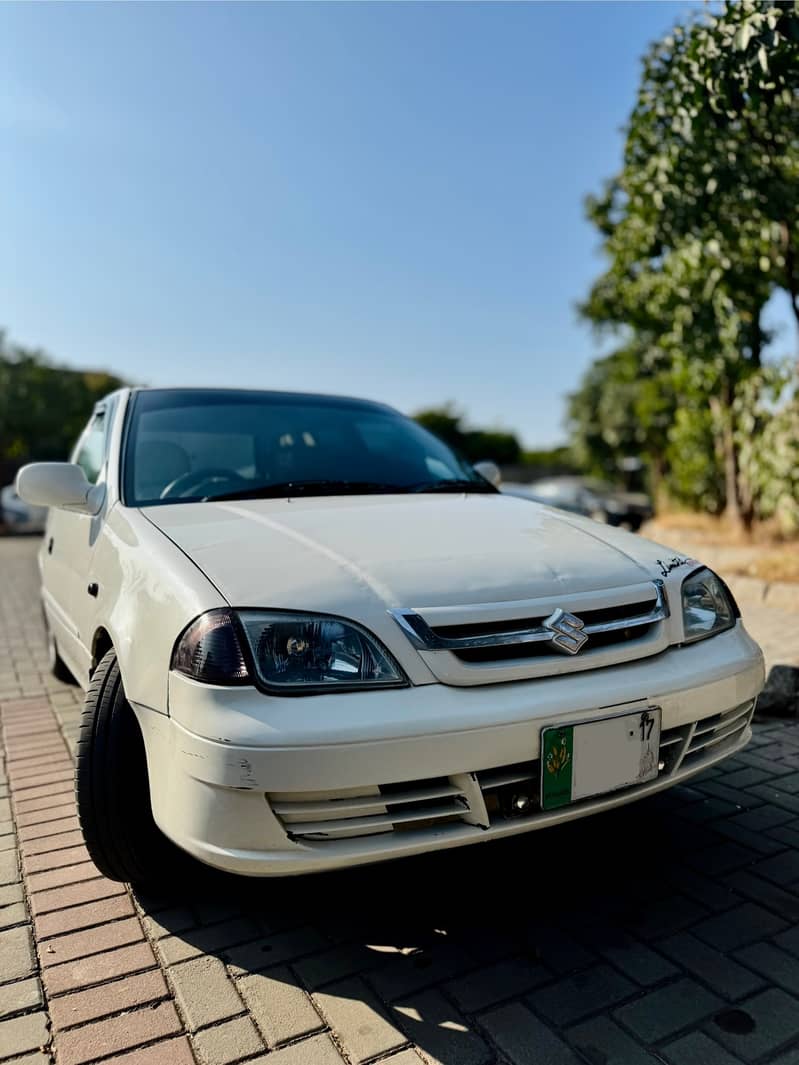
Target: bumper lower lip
209,792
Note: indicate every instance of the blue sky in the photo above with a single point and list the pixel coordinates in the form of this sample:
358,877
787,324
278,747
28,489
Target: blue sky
377,199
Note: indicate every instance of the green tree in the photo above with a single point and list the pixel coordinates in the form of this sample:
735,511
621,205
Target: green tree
43,407
447,423
701,223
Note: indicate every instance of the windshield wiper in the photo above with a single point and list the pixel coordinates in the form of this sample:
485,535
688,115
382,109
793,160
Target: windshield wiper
453,486
319,487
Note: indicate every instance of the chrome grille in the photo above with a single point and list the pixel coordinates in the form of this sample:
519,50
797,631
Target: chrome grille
470,645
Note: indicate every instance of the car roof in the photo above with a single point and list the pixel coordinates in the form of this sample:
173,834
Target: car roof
317,397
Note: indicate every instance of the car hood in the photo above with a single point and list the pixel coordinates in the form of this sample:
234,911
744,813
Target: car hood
350,555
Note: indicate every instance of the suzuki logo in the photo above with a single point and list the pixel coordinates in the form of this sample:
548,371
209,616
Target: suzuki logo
567,631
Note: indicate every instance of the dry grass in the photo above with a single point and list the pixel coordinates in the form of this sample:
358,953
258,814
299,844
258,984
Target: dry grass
760,553
776,565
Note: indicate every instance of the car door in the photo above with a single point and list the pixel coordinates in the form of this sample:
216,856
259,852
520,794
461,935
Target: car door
70,541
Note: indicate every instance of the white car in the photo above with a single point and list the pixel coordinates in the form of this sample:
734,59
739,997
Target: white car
311,636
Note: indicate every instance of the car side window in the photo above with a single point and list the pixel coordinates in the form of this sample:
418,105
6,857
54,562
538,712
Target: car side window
91,449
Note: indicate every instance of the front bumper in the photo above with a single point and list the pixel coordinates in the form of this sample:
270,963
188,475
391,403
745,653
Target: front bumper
235,773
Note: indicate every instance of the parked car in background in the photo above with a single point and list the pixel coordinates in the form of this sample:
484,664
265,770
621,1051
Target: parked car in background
18,516
595,499
311,636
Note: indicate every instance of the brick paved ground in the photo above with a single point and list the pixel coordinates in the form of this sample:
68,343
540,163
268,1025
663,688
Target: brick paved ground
665,932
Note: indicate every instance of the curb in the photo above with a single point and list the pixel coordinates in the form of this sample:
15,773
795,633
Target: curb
780,697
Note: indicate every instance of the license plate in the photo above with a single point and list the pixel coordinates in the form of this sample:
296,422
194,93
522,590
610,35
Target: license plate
594,757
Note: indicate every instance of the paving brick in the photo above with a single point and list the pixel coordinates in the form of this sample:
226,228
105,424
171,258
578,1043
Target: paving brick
11,894
717,970
783,868
98,968
75,918
771,1019
66,1011
636,960
762,818
48,828
17,913
173,1051
667,1010
204,991
20,995
662,917
698,1049
576,996
358,1019
404,974
24,774
524,1039
168,922
492,983
40,798
440,1031
227,1042
560,951
22,796
53,812
771,895
9,867
347,959
776,797
602,1041
46,844
776,965
16,950
319,1051
737,927
216,939
70,874
76,945
279,1006
74,895
715,895
20,1034
115,1034
274,949
38,1057
37,863
23,783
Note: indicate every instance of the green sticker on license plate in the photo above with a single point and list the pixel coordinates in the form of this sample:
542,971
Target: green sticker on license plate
557,763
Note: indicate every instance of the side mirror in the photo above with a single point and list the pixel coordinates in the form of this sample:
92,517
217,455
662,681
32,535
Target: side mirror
59,484
489,471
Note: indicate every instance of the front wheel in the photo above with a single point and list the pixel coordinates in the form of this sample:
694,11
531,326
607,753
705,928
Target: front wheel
113,792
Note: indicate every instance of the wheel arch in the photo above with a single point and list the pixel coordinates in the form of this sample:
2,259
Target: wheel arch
101,645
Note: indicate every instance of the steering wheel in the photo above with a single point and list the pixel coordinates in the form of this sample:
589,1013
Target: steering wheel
188,483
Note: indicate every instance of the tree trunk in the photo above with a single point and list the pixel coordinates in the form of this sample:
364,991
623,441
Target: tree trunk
790,272
736,514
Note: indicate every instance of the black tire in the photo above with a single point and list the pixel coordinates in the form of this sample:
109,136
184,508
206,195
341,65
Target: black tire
58,666
113,790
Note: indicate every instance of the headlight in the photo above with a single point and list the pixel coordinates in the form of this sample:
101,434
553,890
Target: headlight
284,652
707,608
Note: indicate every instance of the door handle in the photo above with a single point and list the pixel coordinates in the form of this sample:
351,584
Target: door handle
50,546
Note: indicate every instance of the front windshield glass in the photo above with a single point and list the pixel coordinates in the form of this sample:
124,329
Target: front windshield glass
185,446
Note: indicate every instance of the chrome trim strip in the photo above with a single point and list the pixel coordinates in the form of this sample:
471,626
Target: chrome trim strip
424,639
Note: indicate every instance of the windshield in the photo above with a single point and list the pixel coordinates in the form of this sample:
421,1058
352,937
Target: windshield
186,446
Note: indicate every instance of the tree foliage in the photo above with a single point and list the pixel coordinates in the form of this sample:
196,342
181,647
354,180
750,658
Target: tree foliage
447,423
43,407
699,227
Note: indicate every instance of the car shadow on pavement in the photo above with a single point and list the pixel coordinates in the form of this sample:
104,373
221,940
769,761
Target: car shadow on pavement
564,922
